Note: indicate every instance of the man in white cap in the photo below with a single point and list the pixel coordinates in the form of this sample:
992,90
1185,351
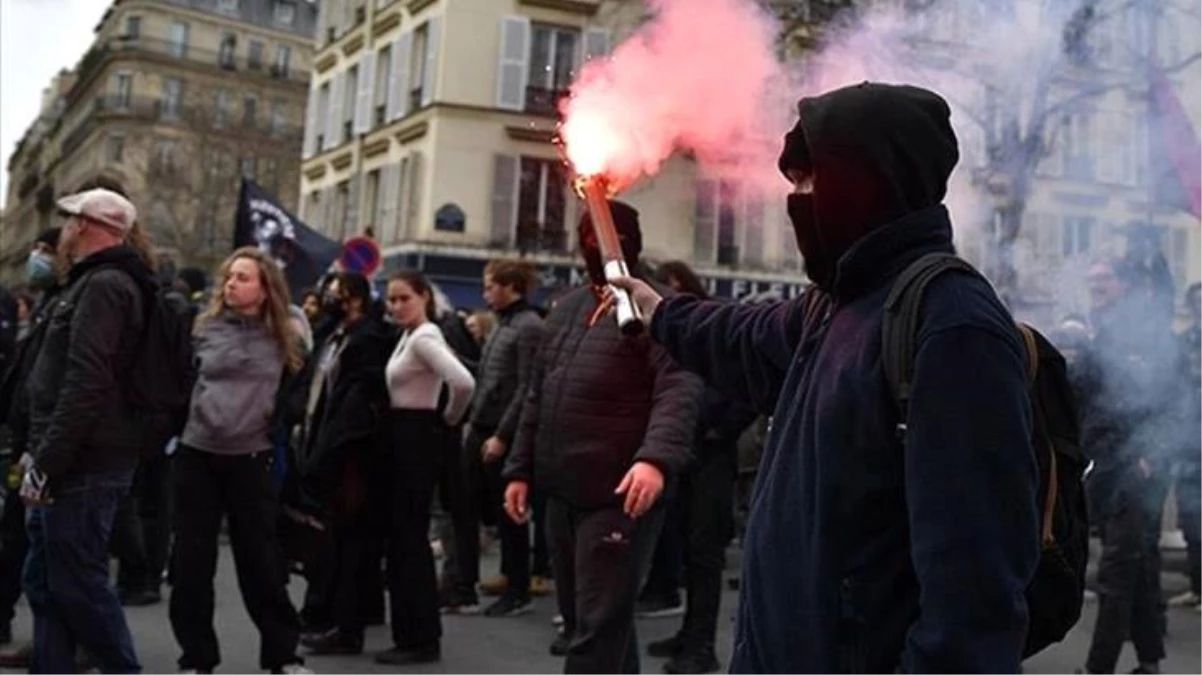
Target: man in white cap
84,437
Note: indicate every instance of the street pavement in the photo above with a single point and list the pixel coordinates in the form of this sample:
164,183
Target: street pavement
519,645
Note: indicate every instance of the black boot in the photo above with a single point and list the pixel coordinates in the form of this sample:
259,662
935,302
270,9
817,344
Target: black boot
666,648
693,661
333,642
403,657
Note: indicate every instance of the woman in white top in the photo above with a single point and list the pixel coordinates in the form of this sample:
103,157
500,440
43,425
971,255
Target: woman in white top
420,366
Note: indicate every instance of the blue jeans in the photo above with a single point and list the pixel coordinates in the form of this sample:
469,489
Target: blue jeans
67,578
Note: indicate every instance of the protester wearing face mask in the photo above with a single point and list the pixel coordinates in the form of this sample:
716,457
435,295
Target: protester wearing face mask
853,560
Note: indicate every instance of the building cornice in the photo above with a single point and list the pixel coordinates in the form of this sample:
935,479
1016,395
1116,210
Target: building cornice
386,23
571,6
326,62
219,19
415,6
355,43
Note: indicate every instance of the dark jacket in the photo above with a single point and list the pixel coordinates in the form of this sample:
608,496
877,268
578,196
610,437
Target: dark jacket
598,402
505,369
863,553
80,418
349,418
721,423
14,399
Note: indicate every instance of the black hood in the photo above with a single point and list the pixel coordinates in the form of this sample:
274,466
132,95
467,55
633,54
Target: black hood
877,152
122,257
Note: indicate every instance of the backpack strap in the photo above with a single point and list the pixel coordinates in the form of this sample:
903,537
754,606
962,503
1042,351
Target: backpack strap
1046,531
899,324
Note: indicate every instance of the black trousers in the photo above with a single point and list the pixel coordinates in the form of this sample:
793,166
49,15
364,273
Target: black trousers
208,486
417,440
484,490
1189,509
1129,602
708,497
667,565
14,545
142,531
601,558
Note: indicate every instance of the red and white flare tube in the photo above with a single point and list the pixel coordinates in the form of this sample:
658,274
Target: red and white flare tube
630,319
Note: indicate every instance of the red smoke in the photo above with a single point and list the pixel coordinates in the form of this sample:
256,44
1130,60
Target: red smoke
693,78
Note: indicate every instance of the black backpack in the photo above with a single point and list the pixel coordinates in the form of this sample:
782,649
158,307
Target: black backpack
1055,594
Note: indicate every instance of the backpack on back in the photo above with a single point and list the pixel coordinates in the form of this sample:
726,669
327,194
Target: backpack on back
1055,594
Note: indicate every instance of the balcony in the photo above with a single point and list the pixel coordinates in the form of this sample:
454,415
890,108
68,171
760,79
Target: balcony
237,61
544,102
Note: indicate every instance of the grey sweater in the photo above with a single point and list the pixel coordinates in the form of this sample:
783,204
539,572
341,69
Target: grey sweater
239,371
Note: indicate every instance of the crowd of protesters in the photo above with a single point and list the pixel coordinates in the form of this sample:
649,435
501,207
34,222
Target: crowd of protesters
354,437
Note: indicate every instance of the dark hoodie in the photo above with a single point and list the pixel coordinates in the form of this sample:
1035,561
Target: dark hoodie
864,554
80,421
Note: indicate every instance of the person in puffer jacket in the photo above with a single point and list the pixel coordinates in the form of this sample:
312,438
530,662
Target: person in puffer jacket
607,420
875,544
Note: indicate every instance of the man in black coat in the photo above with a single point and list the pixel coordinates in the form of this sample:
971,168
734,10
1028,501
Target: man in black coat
875,544
607,420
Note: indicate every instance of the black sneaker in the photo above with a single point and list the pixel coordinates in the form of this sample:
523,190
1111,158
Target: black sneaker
510,605
656,607
693,662
334,642
464,603
561,644
666,648
403,657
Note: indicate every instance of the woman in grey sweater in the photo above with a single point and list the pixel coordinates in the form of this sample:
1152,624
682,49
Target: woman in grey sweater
245,345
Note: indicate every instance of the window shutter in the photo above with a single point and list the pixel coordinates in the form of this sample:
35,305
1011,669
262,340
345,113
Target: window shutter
350,225
705,222
333,136
413,194
504,200
386,213
513,67
363,97
398,92
310,144
433,33
596,43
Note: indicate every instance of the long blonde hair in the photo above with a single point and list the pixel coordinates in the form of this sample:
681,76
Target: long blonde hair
274,313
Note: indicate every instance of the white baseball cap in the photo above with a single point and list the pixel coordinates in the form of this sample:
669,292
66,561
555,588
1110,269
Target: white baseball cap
103,206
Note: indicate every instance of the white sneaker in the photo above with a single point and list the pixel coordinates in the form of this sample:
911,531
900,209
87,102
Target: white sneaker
295,669
1186,599
557,620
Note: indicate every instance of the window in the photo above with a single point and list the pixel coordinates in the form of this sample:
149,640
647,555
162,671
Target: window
372,198
349,91
122,85
250,105
552,67
283,57
278,118
380,93
225,54
172,93
542,198
225,102
254,55
1075,236
714,223
114,151
319,120
165,153
285,12
177,43
417,66
1075,146
133,27
247,168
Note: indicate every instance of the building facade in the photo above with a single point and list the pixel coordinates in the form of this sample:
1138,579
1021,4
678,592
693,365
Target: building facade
430,125
178,99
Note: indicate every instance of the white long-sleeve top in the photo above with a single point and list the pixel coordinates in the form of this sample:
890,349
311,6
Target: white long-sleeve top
419,366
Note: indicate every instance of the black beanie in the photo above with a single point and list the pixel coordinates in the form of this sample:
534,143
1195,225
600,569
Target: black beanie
626,222
49,237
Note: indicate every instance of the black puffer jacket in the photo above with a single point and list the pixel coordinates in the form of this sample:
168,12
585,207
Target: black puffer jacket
597,403
80,421
505,370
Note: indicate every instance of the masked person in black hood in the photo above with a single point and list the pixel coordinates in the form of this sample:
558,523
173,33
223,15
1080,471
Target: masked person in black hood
865,552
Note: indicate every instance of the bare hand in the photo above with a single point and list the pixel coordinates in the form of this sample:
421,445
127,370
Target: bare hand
493,449
642,486
645,297
515,502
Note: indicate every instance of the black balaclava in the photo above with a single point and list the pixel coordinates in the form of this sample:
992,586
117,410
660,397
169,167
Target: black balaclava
876,152
626,222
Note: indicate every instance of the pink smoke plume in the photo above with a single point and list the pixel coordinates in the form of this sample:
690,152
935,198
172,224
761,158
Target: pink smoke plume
692,79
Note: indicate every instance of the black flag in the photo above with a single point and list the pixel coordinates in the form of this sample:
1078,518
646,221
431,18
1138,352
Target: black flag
303,253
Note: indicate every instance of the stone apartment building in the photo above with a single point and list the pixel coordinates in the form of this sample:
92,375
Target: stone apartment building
179,99
430,125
